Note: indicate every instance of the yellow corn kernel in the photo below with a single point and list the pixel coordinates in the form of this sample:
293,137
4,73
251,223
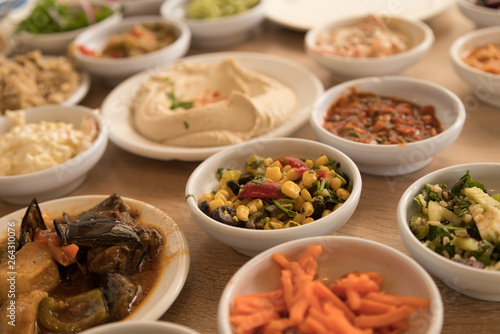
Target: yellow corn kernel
335,183
326,213
309,163
291,223
242,212
298,205
223,193
306,195
273,173
271,225
275,220
229,203
292,174
309,178
324,193
322,160
343,194
215,204
206,197
307,209
283,180
307,220
267,162
229,175
286,168
338,205
220,196
290,189
276,163
255,205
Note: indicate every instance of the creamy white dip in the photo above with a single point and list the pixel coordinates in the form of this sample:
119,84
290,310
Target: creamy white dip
32,147
201,105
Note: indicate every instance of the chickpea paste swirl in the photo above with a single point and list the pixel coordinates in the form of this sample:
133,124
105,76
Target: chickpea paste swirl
372,119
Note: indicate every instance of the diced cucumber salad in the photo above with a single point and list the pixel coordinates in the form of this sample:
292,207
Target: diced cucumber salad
461,223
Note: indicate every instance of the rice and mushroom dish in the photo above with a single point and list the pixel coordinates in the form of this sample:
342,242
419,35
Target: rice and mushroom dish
30,80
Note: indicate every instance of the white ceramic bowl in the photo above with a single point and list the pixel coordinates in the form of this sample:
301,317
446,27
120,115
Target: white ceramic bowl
486,86
251,242
481,16
56,43
59,180
134,327
214,33
114,70
175,253
345,68
140,7
472,282
390,160
340,255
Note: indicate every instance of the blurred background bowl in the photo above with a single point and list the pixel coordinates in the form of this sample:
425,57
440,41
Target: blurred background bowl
340,255
342,68
486,86
55,43
251,242
59,180
140,7
472,282
482,16
115,70
134,327
390,160
217,32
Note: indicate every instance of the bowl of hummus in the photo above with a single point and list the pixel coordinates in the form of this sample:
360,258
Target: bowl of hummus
202,104
47,151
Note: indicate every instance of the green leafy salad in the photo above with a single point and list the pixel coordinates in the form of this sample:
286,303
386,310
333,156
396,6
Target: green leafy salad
461,223
50,16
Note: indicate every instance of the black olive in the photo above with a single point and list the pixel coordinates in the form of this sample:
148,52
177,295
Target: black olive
255,218
319,208
234,186
225,214
244,179
204,207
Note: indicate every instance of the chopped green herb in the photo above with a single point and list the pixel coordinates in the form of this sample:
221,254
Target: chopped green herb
178,104
186,125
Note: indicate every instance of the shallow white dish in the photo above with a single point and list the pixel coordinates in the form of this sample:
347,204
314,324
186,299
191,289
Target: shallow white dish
391,160
81,91
218,32
340,255
174,275
115,107
134,327
302,15
481,16
472,282
250,242
485,86
62,179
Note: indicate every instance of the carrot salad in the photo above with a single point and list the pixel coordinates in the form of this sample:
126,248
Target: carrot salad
303,304
485,58
372,119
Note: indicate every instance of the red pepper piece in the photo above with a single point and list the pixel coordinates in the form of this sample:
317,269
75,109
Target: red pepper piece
86,51
266,189
292,162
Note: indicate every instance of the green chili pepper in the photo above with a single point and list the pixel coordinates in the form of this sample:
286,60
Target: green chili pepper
52,310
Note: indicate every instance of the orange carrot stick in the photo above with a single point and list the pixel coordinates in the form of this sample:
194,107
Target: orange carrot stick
378,320
372,307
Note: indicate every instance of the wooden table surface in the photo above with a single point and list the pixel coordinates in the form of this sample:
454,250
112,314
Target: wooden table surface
162,183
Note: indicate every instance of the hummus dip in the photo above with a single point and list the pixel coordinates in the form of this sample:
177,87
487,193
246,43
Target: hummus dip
201,105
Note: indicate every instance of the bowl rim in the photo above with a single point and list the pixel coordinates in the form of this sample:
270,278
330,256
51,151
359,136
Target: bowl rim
402,220
167,7
183,37
477,9
101,139
456,125
458,47
435,296
270,234
421,46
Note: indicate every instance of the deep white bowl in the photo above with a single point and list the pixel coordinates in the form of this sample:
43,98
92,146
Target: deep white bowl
345,68
251,242
58,180
340,255
481,16
390,160
134,327
214,33
114,70
472,282
56,43
486,86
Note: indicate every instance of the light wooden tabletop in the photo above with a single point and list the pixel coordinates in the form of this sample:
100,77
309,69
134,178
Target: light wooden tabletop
162,183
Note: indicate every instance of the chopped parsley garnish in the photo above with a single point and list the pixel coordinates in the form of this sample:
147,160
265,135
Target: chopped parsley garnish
178,104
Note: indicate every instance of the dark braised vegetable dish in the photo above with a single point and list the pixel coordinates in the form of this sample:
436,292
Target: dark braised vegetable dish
372,119
277,193
90,269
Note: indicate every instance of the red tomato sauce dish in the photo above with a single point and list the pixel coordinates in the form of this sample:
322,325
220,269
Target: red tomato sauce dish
372,119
